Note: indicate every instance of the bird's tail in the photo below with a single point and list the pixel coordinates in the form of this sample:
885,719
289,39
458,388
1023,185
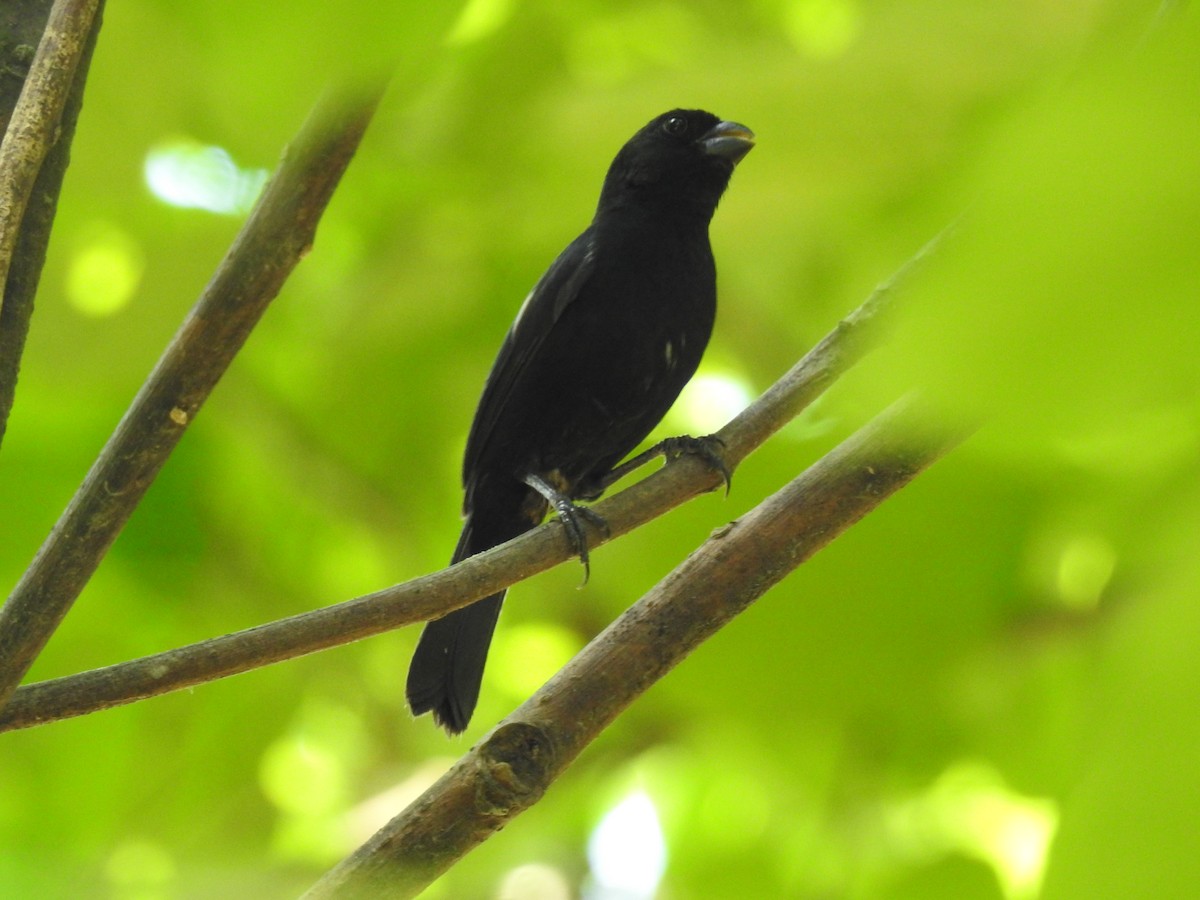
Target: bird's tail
447,667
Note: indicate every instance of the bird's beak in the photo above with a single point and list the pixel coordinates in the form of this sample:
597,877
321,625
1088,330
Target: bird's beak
728,140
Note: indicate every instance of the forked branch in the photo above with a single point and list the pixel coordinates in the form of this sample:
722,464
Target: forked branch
278,233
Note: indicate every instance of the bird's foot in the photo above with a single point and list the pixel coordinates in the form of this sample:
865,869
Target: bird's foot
572,518
709,448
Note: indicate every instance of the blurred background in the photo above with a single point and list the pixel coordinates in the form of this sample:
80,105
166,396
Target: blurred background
986,689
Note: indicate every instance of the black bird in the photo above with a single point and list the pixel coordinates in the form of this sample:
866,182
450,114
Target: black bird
601,348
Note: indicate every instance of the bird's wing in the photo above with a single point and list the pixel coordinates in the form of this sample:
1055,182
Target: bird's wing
552,294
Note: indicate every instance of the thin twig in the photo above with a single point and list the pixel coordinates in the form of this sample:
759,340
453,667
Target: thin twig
31,131
511,768
33,159
279,232
436,594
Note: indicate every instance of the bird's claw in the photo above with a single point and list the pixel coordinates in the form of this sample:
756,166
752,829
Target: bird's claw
572,518
709,448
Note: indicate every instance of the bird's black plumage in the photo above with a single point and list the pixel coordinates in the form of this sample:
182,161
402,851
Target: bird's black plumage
603,345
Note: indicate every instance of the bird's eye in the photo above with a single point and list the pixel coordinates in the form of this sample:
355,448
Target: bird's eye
675,126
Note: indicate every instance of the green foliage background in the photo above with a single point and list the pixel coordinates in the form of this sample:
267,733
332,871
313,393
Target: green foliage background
1003,655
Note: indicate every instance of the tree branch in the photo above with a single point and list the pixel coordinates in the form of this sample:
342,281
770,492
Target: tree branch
438,593
31,131
510,769
278,233
33,160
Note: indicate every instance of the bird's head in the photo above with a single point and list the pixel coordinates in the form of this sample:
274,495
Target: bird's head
682,160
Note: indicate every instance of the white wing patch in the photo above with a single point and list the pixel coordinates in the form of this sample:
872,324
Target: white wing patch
524,306
566,292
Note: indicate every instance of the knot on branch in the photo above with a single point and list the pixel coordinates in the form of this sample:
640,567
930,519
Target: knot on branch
513,766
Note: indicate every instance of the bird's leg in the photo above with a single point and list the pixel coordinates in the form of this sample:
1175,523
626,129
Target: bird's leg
708,448
571,517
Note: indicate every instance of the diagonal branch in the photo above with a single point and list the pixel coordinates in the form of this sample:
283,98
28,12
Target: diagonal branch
436,594
31,131
278,233
33,160
510,769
